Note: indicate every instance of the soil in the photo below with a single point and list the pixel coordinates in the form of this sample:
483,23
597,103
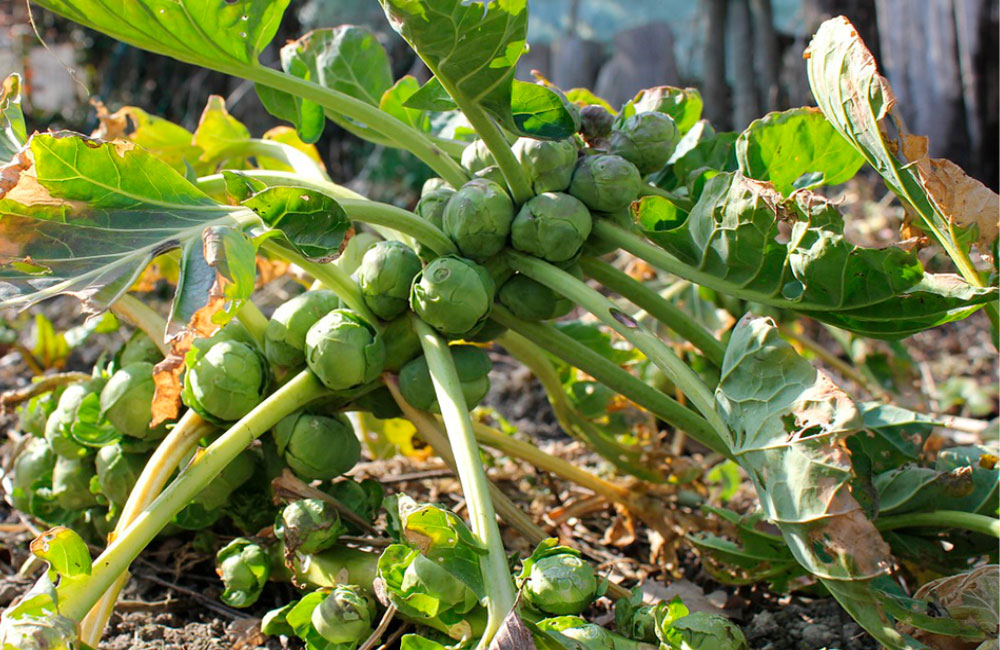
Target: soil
172,601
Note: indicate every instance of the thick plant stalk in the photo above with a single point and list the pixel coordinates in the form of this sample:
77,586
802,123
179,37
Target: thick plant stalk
168,455
942,519
78,597
430,430
458,423
358,208
563,283
254,320
650,301
132,311
579,355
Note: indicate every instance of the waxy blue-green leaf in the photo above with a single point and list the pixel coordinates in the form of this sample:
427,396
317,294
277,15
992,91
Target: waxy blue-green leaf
796,149
13,133
743,238
982,463
86,217
314,223
893,436
859,103
225,35
911,488
787,425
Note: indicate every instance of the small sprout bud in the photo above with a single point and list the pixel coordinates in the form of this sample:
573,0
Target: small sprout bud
345,616
492,173
32,471
552,226
308,526
401,342
431,205
453,295
547,163
578,632
595,123
605,182
701,631
60,422
285,335
478,217
138,348
117,472
71,483
226,381
556,580
647,140
477,156
244,568
127,398
385,275
472,365
344,350
316,446
531,300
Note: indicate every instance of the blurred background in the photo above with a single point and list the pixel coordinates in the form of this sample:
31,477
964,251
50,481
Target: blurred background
745,56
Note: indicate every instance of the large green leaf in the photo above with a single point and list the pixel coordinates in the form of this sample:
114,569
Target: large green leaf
12,130
743,238
796,149
684,105
225,35
472,48
859,103
788,422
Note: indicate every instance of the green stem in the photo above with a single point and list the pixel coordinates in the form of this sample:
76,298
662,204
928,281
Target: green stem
299,161
942,519
626,459
131,310
496,142
356,206
453,148
608,373
458,424
662,310
404,135
660,354
77,597
253,319
329,274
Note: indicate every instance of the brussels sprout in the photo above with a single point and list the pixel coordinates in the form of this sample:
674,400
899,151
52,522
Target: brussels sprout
556,579
226,381
473,366
477,218
401,342
316,446
244,568
285,335
548,164
138,348
476,156
489,331
581,634
71,483
431,205
531,300
59,425
605,182
32,416
595,123
701,631
380,403
344,350
552,226
308,526
345,616
127,398
385,275
638,621
453,295
32,470
492,173
647,140
117,472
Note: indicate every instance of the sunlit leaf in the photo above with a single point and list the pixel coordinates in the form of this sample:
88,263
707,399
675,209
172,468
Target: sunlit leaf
796,149
13,133
394,102
682,104
219,133
64,550
171,143
313,222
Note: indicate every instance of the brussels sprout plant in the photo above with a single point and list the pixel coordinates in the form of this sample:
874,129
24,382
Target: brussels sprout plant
664,236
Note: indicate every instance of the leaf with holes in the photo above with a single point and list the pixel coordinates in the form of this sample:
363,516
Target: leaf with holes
744,238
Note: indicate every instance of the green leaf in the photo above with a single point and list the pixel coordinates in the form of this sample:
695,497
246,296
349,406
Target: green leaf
543,112
788,422
743,238
893,436
395,102
90,216
682,104
313,223
912,488
171,143
13,133
225,35
796,149
981,462
598,340
90,428
700,149
218,133
64,550
584,97
859,103
431,97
